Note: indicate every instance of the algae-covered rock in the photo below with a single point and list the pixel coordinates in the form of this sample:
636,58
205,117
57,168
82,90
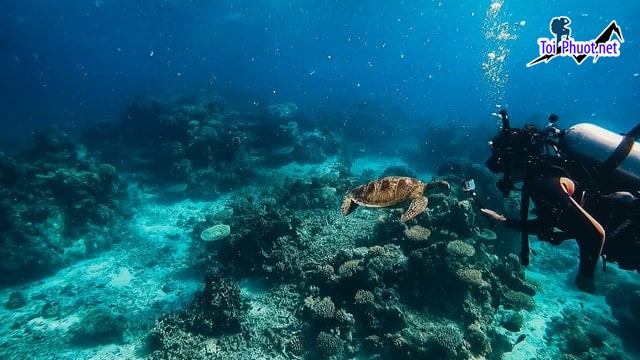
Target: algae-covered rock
99,326
16,300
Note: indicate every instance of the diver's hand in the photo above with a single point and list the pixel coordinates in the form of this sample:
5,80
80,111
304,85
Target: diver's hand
586,284
493,215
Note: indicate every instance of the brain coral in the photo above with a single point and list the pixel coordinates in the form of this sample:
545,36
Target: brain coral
215,232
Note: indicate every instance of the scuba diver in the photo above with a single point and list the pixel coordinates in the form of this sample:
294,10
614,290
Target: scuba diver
583,182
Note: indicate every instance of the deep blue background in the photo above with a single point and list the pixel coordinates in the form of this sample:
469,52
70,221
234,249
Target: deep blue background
77,61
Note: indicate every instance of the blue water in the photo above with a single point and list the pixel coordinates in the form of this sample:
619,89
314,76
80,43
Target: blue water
79,61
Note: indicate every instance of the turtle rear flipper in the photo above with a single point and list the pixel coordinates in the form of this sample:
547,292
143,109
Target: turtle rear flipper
348,205
438,185
416,208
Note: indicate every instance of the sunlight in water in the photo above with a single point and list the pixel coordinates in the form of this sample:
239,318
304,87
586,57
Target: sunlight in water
497,32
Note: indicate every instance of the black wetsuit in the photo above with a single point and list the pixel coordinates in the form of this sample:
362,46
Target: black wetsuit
557,208
621,218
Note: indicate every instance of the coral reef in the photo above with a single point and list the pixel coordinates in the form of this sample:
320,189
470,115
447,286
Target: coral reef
195,142
59,204
329,345
320,309
294,278
445,340
417,234
518,300
267,249
582,337
217,310
459,248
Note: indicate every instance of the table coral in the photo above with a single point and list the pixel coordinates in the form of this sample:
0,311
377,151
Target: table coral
215,233
417,233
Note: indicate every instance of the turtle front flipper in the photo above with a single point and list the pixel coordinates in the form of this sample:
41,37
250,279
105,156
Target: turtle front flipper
416,208
348,205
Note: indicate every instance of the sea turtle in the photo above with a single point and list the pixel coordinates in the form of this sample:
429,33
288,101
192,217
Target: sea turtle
390,191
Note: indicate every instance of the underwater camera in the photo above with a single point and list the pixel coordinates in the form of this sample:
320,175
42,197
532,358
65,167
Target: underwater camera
469,187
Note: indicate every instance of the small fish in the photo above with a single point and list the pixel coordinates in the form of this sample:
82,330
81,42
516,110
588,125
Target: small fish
520,339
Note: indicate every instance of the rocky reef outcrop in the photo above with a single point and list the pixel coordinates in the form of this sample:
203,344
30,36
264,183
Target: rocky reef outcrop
58,204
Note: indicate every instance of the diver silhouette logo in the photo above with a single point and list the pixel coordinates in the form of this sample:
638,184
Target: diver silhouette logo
559,27
565,45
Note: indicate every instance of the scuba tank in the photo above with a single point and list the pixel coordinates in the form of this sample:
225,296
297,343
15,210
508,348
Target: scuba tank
613,156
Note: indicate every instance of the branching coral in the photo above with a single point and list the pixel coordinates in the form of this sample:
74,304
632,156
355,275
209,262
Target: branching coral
445,339
376,250
364,297
349,268
472,277
329,345
320,308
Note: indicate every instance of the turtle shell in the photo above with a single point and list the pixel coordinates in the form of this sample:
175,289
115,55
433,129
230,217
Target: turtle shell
387,191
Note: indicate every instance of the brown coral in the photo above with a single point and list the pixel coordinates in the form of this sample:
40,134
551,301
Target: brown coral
320,308
472,277
364,297
376,250
349,268
417,233
518,300
460,248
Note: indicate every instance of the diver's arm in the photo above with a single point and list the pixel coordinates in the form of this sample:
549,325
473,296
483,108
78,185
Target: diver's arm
532,226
